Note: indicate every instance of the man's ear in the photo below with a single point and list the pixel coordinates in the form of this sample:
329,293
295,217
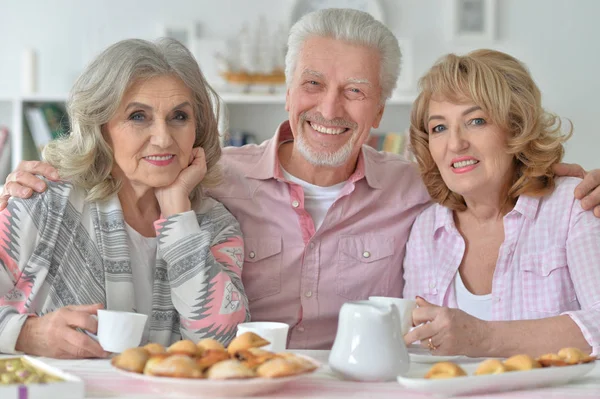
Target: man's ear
378,117
287,100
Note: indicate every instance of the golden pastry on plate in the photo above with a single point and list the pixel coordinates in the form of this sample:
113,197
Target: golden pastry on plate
154,348
153,361
490,366
132,359
175,366
228,370
445,370
574,356
210,357
184,347
551,360
278,367
246,340
209,343
521,362
304,364
253,359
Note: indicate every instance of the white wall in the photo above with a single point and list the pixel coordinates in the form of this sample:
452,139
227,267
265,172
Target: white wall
557,39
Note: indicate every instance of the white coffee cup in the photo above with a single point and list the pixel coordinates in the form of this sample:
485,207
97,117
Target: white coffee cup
405,308
274,332
119,330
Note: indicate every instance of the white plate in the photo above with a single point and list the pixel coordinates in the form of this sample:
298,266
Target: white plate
423,355
480,384
186,387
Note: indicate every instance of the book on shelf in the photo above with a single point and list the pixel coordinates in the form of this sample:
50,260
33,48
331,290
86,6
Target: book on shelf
5,154
45,122
393,142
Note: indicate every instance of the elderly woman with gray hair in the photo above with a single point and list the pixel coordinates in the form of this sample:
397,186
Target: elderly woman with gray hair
128,228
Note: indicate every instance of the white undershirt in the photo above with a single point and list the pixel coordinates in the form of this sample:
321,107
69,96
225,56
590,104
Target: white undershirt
317,199
143,258
479,306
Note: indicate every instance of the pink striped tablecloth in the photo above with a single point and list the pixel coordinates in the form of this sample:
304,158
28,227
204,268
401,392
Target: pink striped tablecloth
101,381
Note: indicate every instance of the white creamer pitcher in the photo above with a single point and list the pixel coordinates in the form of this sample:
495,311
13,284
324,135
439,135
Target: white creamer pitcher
369,345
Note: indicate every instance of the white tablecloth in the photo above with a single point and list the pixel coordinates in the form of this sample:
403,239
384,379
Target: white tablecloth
103,382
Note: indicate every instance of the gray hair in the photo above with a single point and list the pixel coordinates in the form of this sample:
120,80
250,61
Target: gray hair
352,26
83,156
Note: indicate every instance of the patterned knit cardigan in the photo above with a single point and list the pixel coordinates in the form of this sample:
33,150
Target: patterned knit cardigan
57,249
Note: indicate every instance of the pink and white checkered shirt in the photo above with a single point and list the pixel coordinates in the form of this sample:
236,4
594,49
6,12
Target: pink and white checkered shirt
548,265
299,275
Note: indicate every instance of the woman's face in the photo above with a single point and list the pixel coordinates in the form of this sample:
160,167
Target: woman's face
152,132
468,149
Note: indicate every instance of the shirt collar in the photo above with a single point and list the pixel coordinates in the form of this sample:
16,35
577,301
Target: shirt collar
443,218
268,166
526,206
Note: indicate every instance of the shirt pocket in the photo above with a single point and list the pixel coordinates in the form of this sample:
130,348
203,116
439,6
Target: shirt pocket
546,283
261,274
363,266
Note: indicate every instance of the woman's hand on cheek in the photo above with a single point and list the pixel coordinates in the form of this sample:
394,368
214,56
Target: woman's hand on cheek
452,331
175,197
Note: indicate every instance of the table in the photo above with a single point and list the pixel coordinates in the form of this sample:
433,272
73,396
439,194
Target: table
102,382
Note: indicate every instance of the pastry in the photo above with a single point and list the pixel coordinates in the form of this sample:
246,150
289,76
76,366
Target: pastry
574,356
521,362
210,357
305,364
183,347
229,369
278,367
253,360
445,370
209,343
153,361
132,359
176,366
154,349
550,360
490,366
246,340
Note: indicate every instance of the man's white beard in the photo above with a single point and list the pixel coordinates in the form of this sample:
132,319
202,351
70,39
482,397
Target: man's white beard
320,158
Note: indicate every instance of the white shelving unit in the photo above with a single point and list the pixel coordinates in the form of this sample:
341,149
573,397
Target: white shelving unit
257,113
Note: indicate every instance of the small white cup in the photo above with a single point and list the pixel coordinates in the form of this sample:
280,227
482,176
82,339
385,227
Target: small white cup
405,308
275,333
119,330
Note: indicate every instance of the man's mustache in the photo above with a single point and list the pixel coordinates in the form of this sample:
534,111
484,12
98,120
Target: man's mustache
318,118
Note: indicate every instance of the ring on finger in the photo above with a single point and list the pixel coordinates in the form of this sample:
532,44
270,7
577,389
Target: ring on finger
430,345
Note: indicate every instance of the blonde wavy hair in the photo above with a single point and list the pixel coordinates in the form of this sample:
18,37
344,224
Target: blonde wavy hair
84,157
503,87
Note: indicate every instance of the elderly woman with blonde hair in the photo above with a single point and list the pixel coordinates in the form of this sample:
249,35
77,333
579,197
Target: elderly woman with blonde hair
129,227
506,261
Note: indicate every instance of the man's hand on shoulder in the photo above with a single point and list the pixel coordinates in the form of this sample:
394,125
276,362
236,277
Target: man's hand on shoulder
588,191
23,181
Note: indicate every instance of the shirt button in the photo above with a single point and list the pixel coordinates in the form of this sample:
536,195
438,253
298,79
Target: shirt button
312,245
295,204
366,254
300,329
432,285
252,255
308,294
497,299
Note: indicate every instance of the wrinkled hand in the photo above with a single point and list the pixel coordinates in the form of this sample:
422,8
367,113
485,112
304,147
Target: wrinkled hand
54,334
22,182
452,331
588,191
175,198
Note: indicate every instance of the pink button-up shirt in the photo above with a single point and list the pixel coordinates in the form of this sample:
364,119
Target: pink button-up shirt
548,264
301,276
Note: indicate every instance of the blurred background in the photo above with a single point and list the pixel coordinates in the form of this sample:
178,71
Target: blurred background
240,45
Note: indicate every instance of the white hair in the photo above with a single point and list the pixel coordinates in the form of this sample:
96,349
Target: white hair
354,27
